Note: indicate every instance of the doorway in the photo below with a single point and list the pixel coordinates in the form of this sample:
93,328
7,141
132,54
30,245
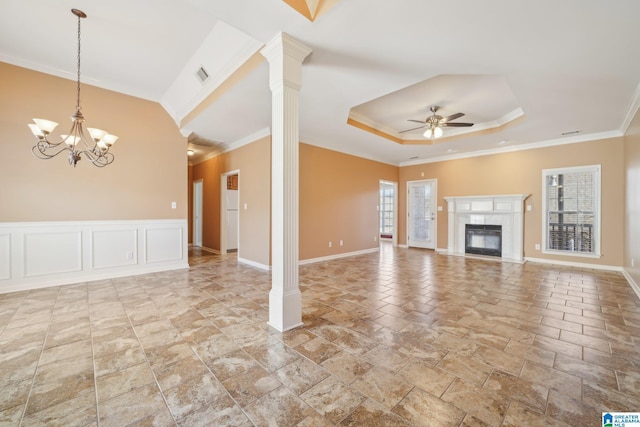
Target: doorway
197,214
230,215
388,209
421,213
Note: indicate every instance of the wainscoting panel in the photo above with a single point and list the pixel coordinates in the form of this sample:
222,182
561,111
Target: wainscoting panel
40,254
158,244
114,248
49,252
5,256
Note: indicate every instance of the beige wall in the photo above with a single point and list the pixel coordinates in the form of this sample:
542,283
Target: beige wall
149,171
253,161
338,199
521,172
632,210
339,194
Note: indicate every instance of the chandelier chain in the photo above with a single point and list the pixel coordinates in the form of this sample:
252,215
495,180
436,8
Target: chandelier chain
78,81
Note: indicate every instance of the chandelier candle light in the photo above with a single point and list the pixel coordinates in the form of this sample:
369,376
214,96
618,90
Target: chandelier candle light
96,148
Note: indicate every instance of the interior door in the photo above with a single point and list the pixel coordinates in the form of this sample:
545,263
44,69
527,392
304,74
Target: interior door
197,213
421,214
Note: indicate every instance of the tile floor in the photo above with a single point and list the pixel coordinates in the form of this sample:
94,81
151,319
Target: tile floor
396,338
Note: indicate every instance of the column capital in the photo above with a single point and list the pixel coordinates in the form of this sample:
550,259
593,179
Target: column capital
284,44
285,55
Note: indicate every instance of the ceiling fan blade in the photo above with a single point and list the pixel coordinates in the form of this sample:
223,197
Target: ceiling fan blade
452,117
409,130
456,125
416,121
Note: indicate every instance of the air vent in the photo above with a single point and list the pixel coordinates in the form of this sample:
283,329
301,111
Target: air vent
571,132
202,74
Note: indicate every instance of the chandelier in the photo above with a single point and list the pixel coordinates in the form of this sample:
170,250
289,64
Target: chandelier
95,148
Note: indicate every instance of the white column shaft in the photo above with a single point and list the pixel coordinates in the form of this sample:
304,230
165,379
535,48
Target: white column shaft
285,57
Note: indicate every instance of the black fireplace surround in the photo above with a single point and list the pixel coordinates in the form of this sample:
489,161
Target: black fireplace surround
481,239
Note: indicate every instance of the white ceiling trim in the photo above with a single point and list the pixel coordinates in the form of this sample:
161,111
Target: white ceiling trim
65,74
355,153
262,133
631,112
477,127
521,147
371,123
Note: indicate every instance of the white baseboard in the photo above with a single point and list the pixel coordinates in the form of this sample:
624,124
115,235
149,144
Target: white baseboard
479,257
211,251
338,256
575,264
632,282
254,264
41,254
403,246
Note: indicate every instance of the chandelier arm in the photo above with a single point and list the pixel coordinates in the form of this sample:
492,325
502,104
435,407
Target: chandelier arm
100,159
39,150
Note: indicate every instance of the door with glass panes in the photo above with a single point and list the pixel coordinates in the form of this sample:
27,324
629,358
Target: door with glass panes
421,214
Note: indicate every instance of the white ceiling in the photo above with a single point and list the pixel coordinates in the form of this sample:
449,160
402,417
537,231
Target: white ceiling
568,65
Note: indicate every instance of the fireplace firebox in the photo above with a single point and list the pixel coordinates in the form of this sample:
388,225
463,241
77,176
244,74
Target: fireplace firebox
482,239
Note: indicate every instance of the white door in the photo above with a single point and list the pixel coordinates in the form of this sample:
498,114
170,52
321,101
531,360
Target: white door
197,213
232,219
421,214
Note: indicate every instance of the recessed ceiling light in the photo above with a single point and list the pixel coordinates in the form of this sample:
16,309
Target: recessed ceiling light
414,157
504,141
191,152
571,132
451,150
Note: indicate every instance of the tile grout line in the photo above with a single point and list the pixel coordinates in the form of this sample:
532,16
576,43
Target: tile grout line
35,373
144,352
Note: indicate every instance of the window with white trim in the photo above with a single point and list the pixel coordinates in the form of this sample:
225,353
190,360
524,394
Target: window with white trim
571,209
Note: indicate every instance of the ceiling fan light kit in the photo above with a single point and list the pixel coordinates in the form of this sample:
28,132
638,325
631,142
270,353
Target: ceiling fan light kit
95,147
435,123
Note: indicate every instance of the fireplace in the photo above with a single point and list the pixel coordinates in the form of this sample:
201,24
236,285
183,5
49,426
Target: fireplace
504,210
481,239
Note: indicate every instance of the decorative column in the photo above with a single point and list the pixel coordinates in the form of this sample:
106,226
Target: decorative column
285,56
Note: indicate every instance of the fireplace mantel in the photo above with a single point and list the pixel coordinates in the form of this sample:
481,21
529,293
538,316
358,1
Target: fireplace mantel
505,210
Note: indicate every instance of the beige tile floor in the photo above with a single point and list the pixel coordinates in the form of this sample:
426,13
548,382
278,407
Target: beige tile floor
396,338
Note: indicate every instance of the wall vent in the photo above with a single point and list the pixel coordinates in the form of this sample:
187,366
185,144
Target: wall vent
202,74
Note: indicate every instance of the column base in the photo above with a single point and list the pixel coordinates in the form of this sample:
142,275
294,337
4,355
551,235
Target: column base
285,309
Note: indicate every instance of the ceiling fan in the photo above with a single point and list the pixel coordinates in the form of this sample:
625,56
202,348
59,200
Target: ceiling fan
435,123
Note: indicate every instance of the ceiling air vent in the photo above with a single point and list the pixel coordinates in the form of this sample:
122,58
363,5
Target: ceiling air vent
202,74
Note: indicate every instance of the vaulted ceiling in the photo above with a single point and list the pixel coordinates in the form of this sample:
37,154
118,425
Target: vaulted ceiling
525,73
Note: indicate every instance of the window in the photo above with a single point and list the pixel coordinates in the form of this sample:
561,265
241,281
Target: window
571,208
386,210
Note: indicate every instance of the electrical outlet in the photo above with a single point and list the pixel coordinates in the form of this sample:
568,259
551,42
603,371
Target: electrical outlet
375,238
174,205
330,244
632,262
341,243
129,255
537,246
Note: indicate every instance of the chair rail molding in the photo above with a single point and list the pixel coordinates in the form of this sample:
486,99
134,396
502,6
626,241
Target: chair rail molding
42,254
